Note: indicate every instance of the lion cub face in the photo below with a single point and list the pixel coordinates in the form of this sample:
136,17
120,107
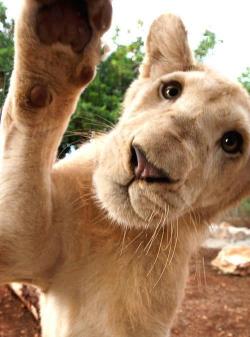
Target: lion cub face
183,142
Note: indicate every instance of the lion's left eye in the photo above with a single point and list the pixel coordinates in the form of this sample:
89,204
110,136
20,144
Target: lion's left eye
232,142
170,90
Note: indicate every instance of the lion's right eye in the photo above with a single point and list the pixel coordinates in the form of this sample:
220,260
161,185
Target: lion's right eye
171,90
232,142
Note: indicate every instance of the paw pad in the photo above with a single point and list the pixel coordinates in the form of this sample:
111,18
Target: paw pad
66,22
40,96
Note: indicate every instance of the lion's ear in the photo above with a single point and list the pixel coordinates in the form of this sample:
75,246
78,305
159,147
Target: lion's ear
167,48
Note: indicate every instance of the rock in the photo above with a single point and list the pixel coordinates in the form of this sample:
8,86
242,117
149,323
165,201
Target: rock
233,260
224,234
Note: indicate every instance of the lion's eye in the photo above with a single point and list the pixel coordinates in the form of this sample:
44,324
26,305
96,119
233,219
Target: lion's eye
232,142
170,90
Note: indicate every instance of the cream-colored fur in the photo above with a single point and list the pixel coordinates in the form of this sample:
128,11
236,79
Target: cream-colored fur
111,253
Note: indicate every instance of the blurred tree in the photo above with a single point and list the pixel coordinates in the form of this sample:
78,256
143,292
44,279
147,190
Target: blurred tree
99,106
244,79
208,43
6,52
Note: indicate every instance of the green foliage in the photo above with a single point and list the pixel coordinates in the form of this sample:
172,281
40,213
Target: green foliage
6,52
244,208
244,79
207,44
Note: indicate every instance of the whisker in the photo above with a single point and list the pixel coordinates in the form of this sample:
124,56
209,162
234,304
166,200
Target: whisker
100,217
82,195
204,272
63,151
81,203
168,241
132,241
102,123
197,271
161,240
153,213
77,209
153,237
158,253
137,249
106,121
123,240
162,273
194,226
176,241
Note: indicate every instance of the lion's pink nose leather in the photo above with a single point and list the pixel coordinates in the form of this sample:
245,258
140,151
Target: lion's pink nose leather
143,169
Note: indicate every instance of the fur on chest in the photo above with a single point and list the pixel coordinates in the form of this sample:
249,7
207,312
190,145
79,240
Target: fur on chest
121,291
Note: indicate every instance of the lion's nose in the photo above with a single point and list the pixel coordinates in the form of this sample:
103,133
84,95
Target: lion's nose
145,170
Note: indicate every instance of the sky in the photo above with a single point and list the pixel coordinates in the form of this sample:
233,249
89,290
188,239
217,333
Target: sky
228,19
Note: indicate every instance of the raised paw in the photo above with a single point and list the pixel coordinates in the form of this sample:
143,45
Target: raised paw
65,22
62,38
72,22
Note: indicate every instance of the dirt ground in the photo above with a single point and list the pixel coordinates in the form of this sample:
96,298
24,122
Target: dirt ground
215,306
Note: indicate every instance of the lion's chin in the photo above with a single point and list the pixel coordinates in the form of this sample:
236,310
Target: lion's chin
132,206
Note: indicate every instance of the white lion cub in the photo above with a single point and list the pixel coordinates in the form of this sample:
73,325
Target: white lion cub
107,234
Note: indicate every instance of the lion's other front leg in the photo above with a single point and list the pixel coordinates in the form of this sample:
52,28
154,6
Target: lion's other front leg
57,49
